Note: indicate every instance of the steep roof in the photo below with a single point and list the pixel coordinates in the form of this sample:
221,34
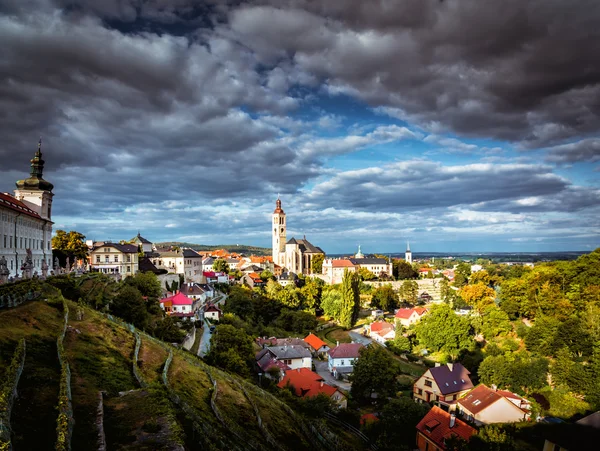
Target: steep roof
381,327
341,263
192,289
346,351
308,247
314,342
141,239
8,201
482,397
178,299
273,341
125,248
436,426
405,313
451,378
191,253
306,383
289,352
266,360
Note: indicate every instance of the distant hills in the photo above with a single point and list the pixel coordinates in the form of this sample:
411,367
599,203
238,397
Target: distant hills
239,248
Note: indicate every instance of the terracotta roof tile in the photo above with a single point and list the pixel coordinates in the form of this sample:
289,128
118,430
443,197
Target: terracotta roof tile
436,427
345,351
315,342
306,383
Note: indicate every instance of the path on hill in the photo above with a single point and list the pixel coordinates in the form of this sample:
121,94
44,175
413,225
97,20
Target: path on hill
206,335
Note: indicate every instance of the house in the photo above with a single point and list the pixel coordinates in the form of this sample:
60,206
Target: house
293,356
443,384
287,278
142,242
213,312
269,366
341,359
484,405
252,280
114,258
333,269
317,346
377,265
264,342
194,291
179,305
410,316
306,384
381,331
438,426
233,263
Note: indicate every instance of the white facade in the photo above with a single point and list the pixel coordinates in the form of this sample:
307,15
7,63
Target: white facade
112,258
342,362
408,254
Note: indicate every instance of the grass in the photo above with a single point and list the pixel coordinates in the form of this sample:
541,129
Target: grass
100,359
34,412
151,359
142,420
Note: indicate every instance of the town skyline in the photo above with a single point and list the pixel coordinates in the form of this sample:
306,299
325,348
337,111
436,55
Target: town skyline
457,128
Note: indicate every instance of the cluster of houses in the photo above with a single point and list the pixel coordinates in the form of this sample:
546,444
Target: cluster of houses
290,362
193,301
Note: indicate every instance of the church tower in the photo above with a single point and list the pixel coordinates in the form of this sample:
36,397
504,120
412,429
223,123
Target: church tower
279,231
408,254
35,192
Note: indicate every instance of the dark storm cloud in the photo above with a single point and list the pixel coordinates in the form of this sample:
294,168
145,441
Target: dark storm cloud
421,184
584,150
522,71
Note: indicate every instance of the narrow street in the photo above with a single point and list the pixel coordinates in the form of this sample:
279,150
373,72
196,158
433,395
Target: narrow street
206,335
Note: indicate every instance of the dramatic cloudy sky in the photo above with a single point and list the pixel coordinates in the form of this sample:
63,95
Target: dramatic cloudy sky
456,125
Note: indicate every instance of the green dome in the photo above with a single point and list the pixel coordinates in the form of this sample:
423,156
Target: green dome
35,180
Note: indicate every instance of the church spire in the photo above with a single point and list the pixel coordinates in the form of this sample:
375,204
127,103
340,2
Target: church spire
278,208
36,180
407,246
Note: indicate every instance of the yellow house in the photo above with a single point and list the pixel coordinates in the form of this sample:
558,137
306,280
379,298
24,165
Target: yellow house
443,384
114,258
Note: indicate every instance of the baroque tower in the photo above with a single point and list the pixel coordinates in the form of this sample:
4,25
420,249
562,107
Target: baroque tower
408,254
35,192
279,232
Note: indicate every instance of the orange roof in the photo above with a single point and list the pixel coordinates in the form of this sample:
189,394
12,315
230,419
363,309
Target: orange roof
405,313
341,263
306,383
425,269
381,326
368,418
315,342
436,427
11,202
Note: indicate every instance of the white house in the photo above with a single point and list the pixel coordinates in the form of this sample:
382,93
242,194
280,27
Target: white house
342,357
114,258
409,316
293,356
213,312
179,305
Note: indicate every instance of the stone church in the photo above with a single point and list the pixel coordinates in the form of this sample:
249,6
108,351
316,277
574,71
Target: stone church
294,255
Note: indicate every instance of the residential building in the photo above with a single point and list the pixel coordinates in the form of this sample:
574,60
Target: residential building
377,265
145,245
114,258
409,316
307,384
195,291
213,312
264,342
252,280
437,427
26,223
293,356
295,255
341,359
484,405
180,305
184,261
287,278
317,346
381,331
333,269
444,384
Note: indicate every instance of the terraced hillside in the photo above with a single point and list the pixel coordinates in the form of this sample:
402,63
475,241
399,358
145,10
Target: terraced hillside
131,391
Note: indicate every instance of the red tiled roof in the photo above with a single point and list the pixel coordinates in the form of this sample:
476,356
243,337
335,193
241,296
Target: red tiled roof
8,201
306,383
368,418
178,299
381,327
405,313
482,397
436,427
345,351
341,263
315,342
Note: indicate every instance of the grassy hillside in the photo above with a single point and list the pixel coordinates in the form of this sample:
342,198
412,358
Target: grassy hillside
239,248
199,407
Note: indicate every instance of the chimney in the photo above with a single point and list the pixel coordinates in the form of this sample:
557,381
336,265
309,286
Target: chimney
451,366
337,343
494,387
452,420
437,364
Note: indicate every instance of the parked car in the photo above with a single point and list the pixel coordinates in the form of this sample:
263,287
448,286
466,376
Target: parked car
212,329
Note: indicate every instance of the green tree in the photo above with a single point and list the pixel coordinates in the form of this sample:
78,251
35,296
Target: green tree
493,437
266,275
289,297
365,274
350,305
400,344
495,322
317,263
374,371
477,295
231,349
220,265
443,330
71,244
296,321
403,270
384,297
331,303
409,291
147,283
129,305
311,294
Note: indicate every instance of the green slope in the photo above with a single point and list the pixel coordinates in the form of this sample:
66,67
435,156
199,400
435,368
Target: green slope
200,407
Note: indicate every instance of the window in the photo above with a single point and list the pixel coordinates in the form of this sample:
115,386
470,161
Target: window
4,240
107,259
419,391
11,241
129,269
427,383
21,242
342,363
116,259
128,258
97,259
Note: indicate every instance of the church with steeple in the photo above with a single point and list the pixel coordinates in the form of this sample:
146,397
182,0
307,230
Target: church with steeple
26,224
294,255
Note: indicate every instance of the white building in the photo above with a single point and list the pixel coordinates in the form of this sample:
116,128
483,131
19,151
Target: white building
408,254
294,255
114,258
26,221
185,261
341,358
294,356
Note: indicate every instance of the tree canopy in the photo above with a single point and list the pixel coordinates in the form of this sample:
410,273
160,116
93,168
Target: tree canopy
384,297
70,243
443,330
374,372
220,265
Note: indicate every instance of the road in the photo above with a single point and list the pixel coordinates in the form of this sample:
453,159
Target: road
358,338
206,335
323,371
